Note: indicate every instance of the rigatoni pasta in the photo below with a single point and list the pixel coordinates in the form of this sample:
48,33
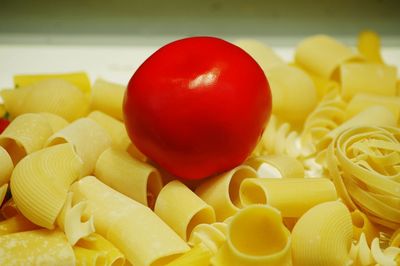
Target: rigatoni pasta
107,97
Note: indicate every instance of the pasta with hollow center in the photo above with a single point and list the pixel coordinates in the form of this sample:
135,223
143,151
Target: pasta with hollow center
287,166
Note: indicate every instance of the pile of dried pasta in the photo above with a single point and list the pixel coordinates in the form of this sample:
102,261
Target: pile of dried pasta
321,188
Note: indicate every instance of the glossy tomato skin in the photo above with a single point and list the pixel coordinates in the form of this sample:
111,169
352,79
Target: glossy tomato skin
197,106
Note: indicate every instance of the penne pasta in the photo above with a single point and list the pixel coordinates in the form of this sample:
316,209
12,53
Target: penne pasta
88,138
118,218
291,196
135,179
222,192
188,209
107,97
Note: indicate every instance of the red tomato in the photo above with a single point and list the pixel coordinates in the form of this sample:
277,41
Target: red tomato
3,124
197,106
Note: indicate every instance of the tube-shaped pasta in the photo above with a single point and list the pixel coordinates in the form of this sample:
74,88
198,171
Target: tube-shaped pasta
40,183
222,191
324,86
291,196
188,209
287,166
115,128
88,138
293,94
368,159
56,122
322,55
107,97
55,96
6,167
25,134
362,225
135,179
264,55
368,78
92,245
119,218
87,257
362,101
256,237
373,116
197,256
38,247
369,45
323,235
70,220
79,79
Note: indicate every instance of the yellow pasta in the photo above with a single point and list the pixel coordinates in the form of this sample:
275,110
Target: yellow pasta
6,166
115,128
362,225
395,239
9,209
2,110
39,247
373,116
257,237
211,236
362,101
280,138
369,45
360,253
135,179
79,79
87,257
88,138
187,208
293,94
56,122
323,235
3,192
222,191
107,97
322,55
53,96
264,55
70,221
363,163
197,256
94,246
40,183
133,228
282,166
25,134
367,78
15,224
291,196
324,86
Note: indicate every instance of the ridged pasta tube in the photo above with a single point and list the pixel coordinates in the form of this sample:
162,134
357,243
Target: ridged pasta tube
188,209
6,166
368,78
364,164
107,97
25,134
256,237
88,138
222,191
323,236
38,247
287,166
40,182
133,228
322,55
135,179
291,196
55,96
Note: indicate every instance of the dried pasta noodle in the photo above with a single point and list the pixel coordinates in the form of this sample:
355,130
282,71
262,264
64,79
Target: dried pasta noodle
287,166
364,164
107,97
15,224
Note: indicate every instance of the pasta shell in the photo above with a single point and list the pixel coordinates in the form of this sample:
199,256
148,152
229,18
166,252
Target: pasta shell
6,166
40,183
323,236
